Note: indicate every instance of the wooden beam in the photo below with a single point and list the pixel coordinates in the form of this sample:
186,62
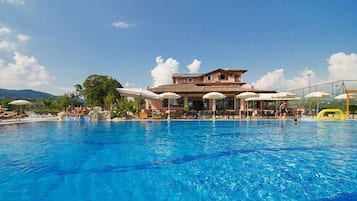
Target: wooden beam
348,91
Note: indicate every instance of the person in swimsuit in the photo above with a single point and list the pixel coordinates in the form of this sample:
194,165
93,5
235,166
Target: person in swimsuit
283,108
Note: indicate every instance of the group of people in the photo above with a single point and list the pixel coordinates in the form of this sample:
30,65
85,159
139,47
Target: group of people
76,111
10,114
1,111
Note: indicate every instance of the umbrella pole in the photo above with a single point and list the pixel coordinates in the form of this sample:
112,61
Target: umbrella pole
246,109
214,109
252,109
168,109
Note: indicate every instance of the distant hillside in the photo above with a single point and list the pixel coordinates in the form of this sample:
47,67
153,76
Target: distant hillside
27,94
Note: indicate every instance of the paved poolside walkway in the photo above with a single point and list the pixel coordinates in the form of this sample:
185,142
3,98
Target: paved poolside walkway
26,120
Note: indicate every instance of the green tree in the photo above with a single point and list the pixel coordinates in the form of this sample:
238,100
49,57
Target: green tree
123,106
98,88
109,100
78,91
65,101
5,103
47,103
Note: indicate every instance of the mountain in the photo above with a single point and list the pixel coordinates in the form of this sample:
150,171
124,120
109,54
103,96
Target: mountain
27,94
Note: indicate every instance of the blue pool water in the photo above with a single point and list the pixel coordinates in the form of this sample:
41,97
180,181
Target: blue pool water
179,160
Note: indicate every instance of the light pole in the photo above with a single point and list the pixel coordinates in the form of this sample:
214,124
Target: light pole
308,75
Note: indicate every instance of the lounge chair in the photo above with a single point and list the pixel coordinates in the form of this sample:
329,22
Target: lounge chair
143,115
157,114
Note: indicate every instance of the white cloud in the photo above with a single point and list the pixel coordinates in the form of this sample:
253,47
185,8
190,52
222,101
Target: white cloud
271,80
22,38
342,66
20,2
5,30
10,42
122,25
163,71
194,67
23,72
7,45
276,80
129,84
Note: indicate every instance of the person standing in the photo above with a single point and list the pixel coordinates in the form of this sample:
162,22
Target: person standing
283,109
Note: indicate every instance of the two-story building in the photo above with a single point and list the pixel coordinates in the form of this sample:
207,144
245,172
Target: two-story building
192,87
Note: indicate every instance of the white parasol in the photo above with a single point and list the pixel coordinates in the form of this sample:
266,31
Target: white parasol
344,96
138,93
169,95
246,95
282,95
20,103
317,95
213,96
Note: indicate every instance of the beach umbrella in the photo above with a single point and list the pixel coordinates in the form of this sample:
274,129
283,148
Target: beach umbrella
138,93
169,95
344,96
214,96
317,95
284,95
246,95
20,103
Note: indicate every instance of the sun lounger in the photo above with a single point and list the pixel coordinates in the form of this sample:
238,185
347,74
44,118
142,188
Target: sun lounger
143,115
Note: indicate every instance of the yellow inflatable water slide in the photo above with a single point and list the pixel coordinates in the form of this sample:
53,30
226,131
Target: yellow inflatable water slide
331,114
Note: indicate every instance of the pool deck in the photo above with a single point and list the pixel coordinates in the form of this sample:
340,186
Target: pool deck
26,120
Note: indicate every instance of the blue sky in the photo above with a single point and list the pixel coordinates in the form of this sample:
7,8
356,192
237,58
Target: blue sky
53,45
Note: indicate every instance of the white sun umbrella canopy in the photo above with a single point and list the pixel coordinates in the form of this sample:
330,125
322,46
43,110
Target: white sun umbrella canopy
284,95
138,93
213,96
317,95
169,95
344,96
247,95
20,103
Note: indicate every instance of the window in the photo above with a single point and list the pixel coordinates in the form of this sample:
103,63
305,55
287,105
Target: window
223,77
237,78
209,77
189,79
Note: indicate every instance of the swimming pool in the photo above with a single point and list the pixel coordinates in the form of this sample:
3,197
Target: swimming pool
179,160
